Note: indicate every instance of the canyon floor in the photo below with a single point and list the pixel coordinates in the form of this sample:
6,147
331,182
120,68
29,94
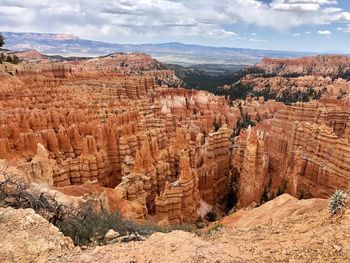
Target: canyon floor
282,230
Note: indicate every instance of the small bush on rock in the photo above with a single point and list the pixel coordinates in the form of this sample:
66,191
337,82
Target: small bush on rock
17,194
85,224
337,200
88,226
215,228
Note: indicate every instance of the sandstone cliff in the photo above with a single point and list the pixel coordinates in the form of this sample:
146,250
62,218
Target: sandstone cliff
322,65
303,150
109,121
157,152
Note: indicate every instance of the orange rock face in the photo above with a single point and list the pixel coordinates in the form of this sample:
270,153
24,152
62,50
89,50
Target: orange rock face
114,127
323,65
303,150
300,79
111,121
314,87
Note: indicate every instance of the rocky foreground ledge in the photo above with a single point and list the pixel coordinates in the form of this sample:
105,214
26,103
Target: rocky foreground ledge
282,230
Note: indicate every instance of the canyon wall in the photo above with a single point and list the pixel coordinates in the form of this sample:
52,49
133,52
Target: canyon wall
159,151
299,79
323,65
302,88
114,127
304,150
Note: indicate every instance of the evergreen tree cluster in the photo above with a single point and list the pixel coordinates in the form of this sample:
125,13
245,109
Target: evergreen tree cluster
2,40
9,58
239,90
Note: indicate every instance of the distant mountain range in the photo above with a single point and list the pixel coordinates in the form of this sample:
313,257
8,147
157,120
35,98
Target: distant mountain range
178,53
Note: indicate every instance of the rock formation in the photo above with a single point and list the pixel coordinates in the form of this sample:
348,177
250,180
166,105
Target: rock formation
300,79
109,120
323,65
299,88
158,152
303,150
179,201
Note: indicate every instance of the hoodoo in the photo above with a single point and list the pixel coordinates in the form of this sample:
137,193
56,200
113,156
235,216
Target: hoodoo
123,158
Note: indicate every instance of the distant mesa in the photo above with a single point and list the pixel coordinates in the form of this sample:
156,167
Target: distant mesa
30,55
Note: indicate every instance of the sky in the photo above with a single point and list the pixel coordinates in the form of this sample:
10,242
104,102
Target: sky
295,25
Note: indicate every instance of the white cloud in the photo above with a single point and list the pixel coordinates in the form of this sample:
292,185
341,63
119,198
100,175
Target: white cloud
257,40
324,32
332,10
347,28
149,19
299,5
307,32
342,16
296,34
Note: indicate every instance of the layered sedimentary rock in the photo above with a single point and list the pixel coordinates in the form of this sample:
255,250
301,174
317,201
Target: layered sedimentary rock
30,55
179,201
300,79
129,64
132,62
302,88
324,65
258,110
215,170
251,162
110,126
303,150
159,152
109,121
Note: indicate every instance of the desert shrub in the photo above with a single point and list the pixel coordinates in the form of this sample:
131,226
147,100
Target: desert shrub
265,196
2,40
215,228
85,224
232,191
9,59
88,225
217,124
18,194
244,121
2,57
304,194
15,60
337,200
211,216
281,189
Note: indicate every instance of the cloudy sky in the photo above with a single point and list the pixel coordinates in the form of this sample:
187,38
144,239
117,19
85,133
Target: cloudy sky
303,25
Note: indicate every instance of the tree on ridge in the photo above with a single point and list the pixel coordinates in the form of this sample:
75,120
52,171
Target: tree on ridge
2,40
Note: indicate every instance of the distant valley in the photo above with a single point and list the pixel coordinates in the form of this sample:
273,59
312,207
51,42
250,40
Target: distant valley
205,57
